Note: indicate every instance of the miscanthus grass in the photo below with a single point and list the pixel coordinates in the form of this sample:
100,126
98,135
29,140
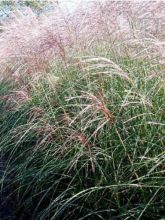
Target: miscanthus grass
86,145
82,113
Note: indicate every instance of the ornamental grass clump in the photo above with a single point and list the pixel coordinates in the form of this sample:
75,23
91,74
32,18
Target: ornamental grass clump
82,112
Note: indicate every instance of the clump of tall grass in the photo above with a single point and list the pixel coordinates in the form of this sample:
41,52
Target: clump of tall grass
82,126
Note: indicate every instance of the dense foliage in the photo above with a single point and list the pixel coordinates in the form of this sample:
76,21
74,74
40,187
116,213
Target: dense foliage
82,113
